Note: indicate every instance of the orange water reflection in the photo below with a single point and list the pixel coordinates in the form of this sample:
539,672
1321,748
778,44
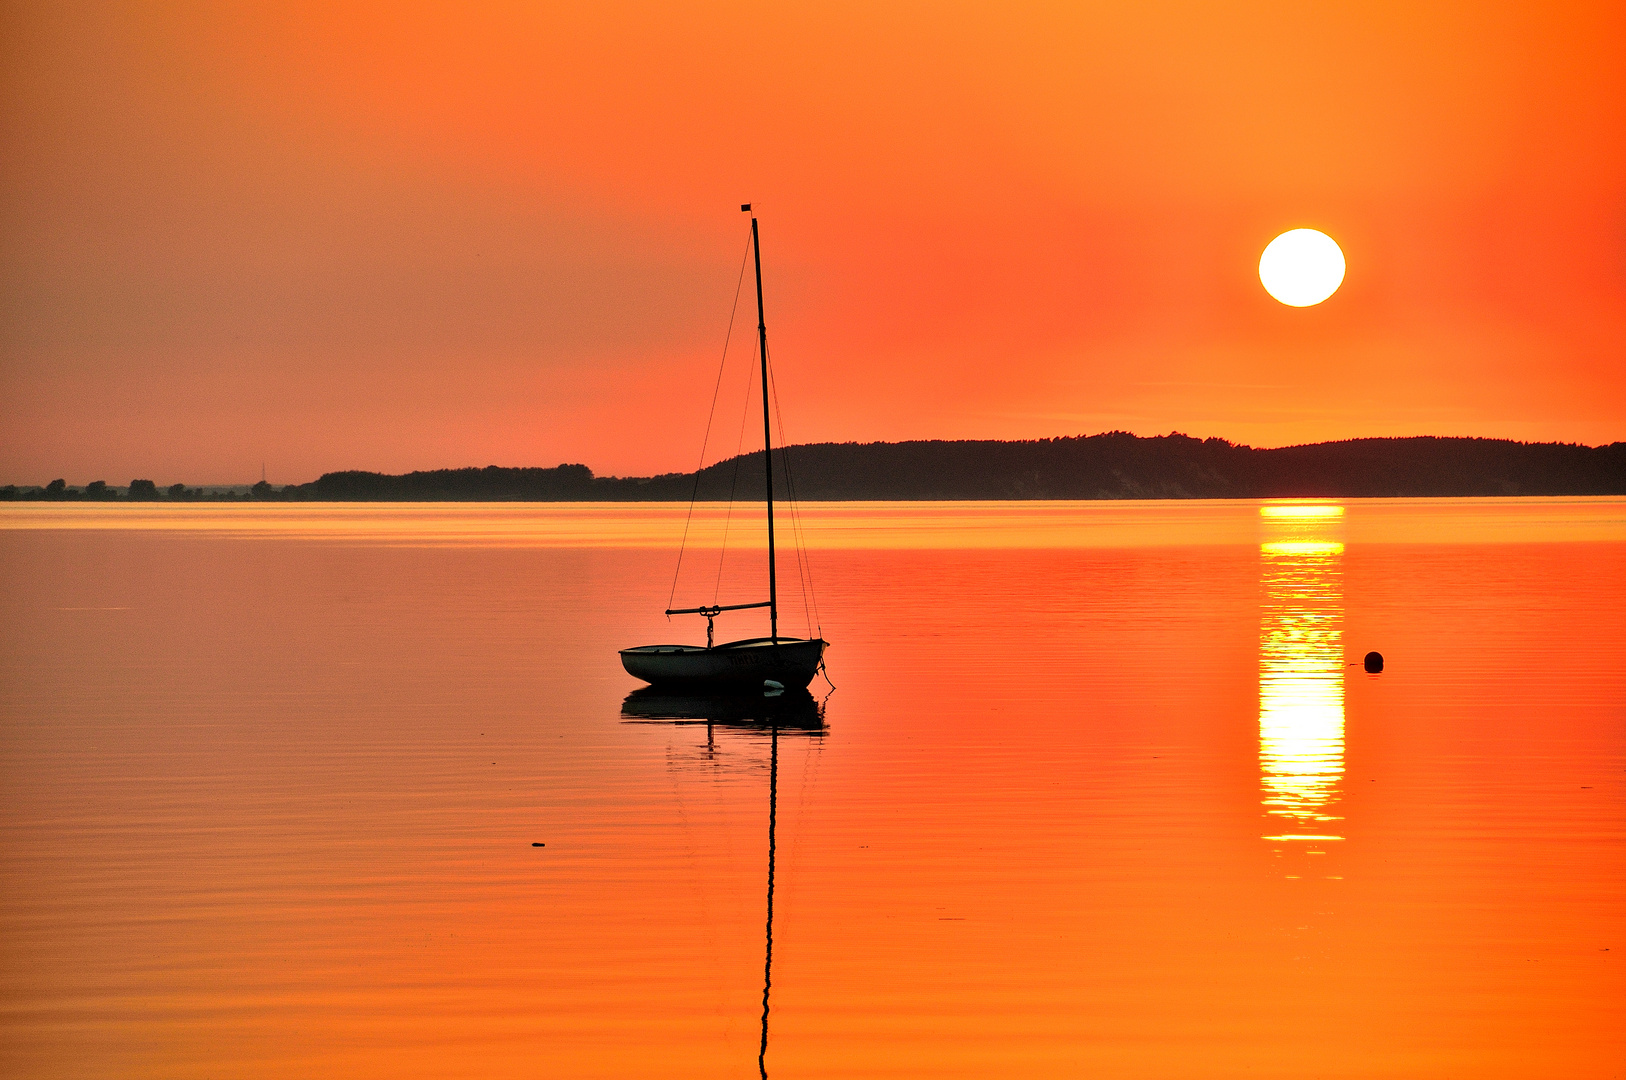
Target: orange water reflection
271,789
1301,671
846,525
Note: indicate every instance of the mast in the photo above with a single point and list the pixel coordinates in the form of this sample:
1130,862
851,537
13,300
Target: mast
767,437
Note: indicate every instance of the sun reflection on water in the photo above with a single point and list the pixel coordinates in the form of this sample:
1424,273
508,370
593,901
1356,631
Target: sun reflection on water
1301,671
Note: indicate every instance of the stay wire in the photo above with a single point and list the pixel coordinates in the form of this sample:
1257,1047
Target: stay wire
790,494
804,564
739,286
799,531
728,519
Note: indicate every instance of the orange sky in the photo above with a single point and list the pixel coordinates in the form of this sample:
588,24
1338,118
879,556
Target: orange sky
427,236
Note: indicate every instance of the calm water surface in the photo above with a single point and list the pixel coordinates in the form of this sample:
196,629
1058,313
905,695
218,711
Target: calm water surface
1099,794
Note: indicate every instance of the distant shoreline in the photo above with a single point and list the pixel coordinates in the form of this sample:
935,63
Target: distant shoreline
1115,465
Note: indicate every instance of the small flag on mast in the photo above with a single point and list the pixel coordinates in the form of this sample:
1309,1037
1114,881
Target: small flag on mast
745,206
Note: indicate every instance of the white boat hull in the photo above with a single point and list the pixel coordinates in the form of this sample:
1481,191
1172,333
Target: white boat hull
747,663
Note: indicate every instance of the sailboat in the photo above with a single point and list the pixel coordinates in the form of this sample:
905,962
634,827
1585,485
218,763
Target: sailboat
772,662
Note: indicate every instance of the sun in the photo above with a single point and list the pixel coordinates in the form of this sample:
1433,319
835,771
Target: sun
1301,267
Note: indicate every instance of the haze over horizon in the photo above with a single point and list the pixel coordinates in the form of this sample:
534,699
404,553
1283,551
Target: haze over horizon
416,237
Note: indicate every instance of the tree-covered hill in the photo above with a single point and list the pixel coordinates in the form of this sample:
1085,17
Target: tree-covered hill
1110,466
1115,465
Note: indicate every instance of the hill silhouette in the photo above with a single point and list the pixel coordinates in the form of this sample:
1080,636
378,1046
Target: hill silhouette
1115,465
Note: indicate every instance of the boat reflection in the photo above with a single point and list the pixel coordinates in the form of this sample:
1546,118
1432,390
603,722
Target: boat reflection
791,712
794,711
1301,671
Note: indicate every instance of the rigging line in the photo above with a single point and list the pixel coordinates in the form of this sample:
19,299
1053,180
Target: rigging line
797,541
728,519
810,780
688,836
803,555
803,568
710,416
804,565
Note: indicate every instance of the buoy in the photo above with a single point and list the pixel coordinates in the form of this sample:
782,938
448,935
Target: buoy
1374,662
772,688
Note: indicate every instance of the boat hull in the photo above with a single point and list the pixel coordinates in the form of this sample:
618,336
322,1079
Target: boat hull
791,662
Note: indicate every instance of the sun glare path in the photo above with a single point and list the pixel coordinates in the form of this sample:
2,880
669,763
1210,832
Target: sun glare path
1301,686
1302,547
1300,510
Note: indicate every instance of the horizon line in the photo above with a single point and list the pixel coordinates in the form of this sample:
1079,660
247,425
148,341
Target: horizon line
222,484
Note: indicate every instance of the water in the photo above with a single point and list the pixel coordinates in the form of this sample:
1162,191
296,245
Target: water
1100,794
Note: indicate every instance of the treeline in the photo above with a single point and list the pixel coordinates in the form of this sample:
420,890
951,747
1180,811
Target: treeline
1118,465
567,483
1115,465
140,491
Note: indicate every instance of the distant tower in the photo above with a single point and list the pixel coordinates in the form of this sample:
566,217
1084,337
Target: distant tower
262,472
